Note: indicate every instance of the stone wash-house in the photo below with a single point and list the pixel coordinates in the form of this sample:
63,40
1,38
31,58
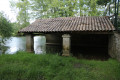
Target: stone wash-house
76,36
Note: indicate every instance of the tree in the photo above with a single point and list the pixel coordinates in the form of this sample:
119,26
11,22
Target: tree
65,8
110,8
5,31
23,12
5,26
16,28
56,8
103,2
93,8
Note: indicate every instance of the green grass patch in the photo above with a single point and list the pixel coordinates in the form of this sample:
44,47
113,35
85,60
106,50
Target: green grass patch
26,66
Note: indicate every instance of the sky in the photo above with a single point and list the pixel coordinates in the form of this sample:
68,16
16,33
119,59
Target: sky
5,7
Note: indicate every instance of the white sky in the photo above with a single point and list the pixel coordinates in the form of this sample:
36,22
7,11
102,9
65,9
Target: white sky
5,7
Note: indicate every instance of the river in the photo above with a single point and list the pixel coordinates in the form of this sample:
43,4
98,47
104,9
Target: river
19,44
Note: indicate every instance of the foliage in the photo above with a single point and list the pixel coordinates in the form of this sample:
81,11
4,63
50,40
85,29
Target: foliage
26,66
93,6
5,31
16,28
111,6
53,8
5,26
103,2
28,9
64,8
23,12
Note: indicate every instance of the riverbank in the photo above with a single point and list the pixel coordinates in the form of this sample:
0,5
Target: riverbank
25,66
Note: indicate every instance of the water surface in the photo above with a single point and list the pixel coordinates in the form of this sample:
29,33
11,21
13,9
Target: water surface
19,44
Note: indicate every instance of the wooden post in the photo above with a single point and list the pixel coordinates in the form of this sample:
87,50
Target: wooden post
66,45
29,43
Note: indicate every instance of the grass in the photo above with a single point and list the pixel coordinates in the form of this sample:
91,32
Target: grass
25,66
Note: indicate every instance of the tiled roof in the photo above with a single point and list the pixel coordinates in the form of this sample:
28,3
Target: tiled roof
72,24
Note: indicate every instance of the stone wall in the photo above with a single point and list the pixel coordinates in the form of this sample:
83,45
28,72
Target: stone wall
114,46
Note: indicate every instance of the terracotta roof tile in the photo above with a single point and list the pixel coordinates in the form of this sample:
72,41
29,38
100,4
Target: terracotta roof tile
63,24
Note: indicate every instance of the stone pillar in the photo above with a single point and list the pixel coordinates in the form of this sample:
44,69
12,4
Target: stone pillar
66,45
29,43
114,46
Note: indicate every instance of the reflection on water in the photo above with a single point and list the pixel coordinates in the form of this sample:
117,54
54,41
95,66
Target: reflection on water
15,44
39,44
19,43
